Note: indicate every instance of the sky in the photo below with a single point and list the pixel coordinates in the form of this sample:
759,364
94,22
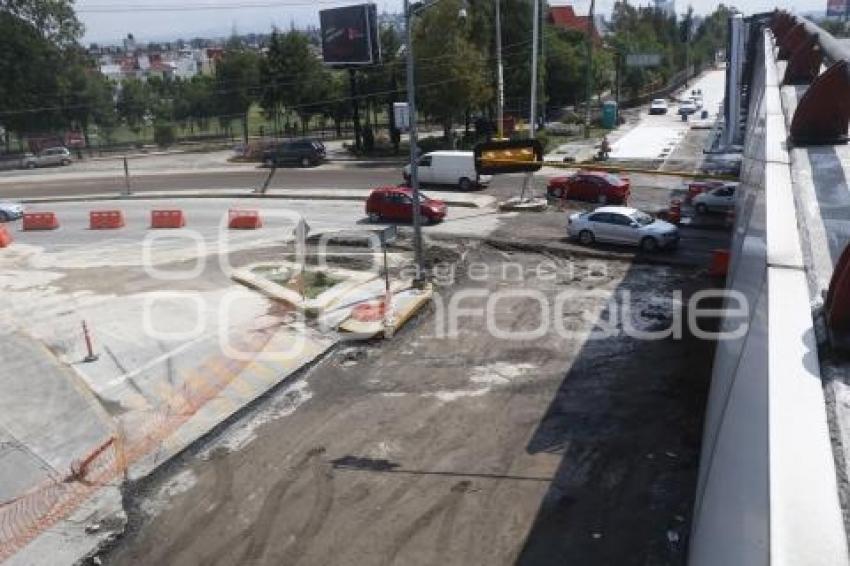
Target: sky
108,21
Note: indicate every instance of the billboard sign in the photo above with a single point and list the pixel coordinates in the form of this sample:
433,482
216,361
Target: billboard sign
643,59
508,156
401,115
350,36
836,8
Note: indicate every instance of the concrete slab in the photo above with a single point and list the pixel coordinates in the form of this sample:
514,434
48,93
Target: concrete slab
36,393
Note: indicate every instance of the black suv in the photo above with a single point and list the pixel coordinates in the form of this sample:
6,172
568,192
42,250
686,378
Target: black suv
305,153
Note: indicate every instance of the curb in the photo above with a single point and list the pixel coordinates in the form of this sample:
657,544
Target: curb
223,195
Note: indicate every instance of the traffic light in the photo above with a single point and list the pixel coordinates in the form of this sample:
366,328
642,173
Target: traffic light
508,156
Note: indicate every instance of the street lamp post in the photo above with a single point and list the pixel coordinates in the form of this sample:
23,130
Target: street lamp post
500,73
588,75
414,158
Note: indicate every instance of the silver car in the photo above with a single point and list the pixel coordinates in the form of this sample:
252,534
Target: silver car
623,225
10,211
720,199
48,157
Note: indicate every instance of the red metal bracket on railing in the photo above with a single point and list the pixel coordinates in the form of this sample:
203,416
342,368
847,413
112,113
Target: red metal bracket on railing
781,24
791,41
824,110
804,64
837,304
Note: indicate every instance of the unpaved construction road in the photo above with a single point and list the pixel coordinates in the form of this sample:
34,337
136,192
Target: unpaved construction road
471,449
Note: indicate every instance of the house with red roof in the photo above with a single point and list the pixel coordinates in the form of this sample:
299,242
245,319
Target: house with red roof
565,17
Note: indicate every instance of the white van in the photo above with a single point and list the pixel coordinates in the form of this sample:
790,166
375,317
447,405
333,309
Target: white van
449,168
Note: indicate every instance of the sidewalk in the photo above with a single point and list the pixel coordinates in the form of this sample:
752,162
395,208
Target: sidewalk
48,419
182,161
50,425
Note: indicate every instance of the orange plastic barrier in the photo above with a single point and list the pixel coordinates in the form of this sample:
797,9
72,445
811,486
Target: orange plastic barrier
675,214
40,221
167,219
5,237
244,219
719,263
106,219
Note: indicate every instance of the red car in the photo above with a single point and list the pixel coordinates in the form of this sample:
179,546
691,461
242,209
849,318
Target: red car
396,204
593,186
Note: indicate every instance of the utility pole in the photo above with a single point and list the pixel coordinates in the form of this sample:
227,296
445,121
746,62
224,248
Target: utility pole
500,74
414,158
126,176
688,46
355,107
589,70
535,34
618,61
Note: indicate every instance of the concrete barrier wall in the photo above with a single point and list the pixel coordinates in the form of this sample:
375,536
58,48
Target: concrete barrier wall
767,492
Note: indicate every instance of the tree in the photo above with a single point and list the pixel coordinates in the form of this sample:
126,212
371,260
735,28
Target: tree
29,69
378,85
194,101
163,134
565,58
517,19
134,102
54,20
460,81
87,97
337,105
293,77
236,81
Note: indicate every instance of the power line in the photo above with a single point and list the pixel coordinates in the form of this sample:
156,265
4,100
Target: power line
132,8
428,63
289,107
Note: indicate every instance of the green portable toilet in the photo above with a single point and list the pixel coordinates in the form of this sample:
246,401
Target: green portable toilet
609,115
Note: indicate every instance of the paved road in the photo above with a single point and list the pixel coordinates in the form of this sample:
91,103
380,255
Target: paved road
249,178
656,137
206,219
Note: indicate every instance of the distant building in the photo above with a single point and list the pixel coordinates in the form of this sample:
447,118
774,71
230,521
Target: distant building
130,43
394,21
668,7
565,17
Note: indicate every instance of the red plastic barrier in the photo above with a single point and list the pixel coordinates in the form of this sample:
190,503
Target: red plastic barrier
5,237
106,219
719,263
244,219
40,221
167,219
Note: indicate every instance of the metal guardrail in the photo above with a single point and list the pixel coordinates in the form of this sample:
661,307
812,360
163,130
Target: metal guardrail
833,50
823,112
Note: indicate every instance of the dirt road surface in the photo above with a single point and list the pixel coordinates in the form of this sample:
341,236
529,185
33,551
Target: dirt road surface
465,450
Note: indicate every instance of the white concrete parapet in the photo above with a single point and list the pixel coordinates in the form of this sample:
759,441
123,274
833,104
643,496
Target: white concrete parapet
767,490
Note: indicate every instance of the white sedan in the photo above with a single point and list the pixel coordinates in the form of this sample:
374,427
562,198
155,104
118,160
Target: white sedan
721,198
10,211
687,108
622,225
658,106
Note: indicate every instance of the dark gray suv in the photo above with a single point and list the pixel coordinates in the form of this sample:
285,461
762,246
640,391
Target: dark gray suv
306,153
